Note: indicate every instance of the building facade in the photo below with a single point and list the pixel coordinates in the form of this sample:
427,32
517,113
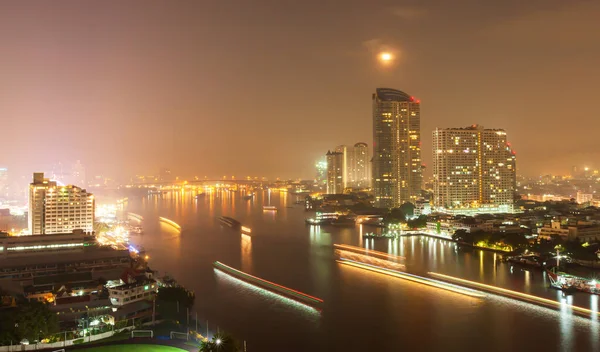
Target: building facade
396,167
474,171
335,173
358,166
57,209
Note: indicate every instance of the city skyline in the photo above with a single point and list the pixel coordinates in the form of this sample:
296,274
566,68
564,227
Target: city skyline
141,85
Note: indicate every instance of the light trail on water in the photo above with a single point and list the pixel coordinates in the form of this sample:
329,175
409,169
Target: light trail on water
267,293
414,278
518,295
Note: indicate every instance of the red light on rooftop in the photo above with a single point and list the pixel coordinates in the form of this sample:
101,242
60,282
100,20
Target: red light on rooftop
418,101
412,98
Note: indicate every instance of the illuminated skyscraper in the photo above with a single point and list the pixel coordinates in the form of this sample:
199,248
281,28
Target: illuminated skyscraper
342,149
396,165
474,171
58,209
335,173
358,166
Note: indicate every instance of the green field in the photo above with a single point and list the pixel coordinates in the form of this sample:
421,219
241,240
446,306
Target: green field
133,348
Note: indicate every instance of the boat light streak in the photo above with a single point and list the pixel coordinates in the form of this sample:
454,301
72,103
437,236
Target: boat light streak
170,222
414,278
514,294
135,216
369,251
266,292
318,300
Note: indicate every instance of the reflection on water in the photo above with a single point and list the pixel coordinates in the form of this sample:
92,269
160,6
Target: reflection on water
287,251
246,244
566,321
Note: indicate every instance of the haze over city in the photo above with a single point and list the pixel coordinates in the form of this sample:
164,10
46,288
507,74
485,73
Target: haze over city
265,88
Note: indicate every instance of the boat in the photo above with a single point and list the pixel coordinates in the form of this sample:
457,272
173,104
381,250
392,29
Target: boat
200,195
231,222
380,236
270,286
136,229
322,218
269,208
569,283
528,260
344,221
248,197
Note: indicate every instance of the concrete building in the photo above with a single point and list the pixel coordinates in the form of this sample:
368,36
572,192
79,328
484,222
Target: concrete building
358,166
474,171
142,288
396,166
59,209
342,149
583,198
582,230
335,173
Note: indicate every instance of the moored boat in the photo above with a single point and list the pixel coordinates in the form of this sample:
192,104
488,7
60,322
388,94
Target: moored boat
571,283
231,222
269,208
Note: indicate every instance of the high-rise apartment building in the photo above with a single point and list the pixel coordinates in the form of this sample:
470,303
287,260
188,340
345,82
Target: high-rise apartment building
335,172
396,168
474,171
342,149
358,166
57,209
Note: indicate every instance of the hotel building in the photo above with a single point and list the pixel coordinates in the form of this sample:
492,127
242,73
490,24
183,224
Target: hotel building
57,209
474,171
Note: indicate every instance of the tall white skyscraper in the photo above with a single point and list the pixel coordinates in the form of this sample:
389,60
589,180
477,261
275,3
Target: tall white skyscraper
396,167
474,171
59,209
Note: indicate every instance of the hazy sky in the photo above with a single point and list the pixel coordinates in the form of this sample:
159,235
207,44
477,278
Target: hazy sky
265,88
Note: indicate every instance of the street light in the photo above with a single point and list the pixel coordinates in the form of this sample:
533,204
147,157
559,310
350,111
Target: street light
218,342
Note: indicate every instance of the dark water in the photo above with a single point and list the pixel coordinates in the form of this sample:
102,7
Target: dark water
363,311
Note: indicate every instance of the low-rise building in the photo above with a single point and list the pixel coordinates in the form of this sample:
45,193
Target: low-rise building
582,230
142,288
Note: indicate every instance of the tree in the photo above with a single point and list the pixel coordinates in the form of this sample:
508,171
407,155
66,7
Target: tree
29,320
172,303
408,209
221,342
419,222
395,215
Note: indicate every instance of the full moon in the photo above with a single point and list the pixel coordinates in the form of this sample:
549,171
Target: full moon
386,57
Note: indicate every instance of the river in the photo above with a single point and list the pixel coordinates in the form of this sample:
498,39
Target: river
363,311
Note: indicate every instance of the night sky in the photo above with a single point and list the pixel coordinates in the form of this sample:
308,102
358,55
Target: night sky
264,88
